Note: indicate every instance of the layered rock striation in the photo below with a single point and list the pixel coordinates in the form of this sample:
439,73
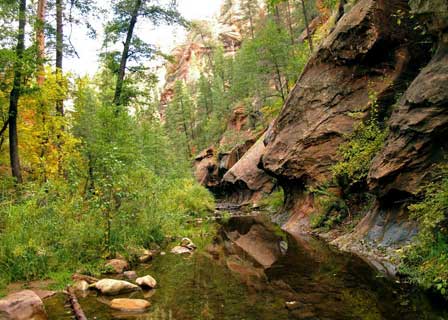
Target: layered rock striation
370,53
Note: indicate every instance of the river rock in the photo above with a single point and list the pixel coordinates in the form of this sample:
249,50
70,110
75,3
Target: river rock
146,281
180,250
131,275
117,265
81,285
146,256
130,305
22,305
113,287
292,305
187,243
88,279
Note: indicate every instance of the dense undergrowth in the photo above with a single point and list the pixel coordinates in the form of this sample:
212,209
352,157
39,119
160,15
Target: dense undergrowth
111,182
426,261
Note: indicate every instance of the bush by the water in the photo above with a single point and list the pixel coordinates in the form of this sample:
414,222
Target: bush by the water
426,262
359,150
123,186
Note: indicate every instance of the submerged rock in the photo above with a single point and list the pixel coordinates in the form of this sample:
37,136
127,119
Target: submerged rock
130,305
113,287
131,275
145,258
22,305
146,281
117,265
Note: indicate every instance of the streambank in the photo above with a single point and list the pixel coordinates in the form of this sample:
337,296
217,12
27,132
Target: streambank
251,269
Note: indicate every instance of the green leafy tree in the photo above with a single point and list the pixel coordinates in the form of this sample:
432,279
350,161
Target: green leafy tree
121,28
250,9
180,119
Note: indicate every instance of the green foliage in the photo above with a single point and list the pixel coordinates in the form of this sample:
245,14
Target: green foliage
125,188
360,149
258,78
273,201
426,262
330,208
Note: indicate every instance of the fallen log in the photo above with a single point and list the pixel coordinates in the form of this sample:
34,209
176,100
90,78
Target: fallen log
88,279
76,307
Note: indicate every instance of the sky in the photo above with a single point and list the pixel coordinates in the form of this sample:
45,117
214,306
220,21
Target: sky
164,37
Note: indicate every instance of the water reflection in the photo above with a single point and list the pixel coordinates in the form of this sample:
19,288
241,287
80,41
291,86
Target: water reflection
316,281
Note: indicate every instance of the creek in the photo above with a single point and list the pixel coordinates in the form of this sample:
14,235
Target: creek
252,271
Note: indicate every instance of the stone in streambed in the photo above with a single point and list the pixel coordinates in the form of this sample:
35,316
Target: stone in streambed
81,285
146,256
131,275
146,282
292,305
117,265
187,243
180,250
185,246
22,305
113,287
130,305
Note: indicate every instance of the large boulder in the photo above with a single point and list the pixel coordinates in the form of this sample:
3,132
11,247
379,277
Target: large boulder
22,305
246,175
114,287
418,131
206,168
228,159
367,52
212,163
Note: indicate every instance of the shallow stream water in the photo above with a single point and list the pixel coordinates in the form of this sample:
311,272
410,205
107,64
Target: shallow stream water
322,282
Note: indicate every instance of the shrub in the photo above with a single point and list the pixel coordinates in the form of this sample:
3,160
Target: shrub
273,201
426,261
357,153
330,209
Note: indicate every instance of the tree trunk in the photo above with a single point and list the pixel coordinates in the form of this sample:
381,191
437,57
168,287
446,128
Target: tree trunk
251,22
280,81
184,124
15,95
308,33
76,307
124,56
59,50
40,39
291,30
